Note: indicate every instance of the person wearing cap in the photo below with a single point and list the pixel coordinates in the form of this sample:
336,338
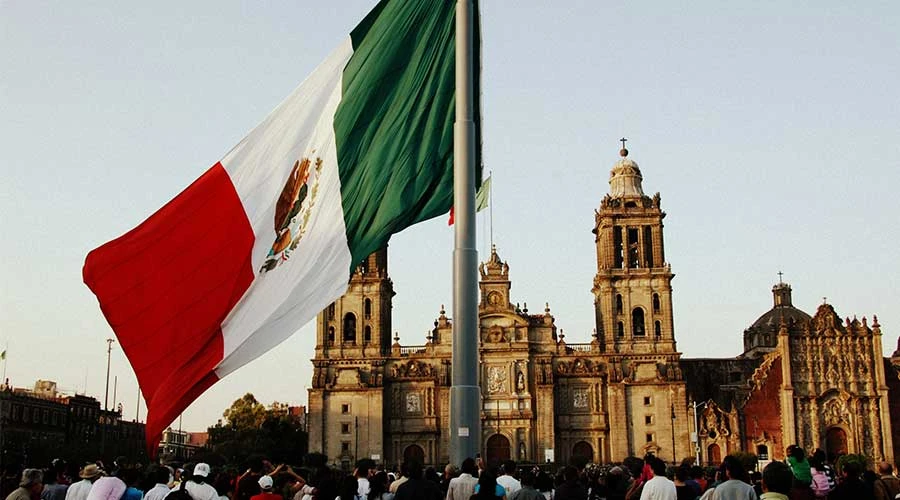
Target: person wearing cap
265,485
81,489
29,487
197,486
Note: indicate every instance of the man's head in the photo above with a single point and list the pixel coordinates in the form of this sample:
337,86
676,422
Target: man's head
777,478
365,467
468,466
851,470
509,467
33,480
451,471
415,469
160,474
527,478
885,468
90,472
265,483
656,465
733,468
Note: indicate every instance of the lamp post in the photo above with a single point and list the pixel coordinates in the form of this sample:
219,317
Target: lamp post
109,343
674,453
695,436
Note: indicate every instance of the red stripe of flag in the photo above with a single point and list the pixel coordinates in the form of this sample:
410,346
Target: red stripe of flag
166,286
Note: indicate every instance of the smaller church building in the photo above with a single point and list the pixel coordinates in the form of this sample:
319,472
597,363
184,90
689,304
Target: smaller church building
817,381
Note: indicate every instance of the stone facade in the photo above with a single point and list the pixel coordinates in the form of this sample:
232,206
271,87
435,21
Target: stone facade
628,392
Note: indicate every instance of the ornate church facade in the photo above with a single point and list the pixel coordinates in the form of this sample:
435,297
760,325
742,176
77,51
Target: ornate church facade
817,382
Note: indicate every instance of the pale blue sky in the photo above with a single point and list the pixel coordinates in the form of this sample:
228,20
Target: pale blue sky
771,129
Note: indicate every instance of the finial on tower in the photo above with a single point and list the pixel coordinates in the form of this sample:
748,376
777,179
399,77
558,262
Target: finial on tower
623,152
779,277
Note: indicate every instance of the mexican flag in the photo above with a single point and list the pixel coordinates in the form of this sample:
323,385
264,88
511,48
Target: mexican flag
268,237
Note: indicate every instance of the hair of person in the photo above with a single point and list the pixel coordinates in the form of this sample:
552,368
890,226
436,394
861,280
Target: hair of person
682,473
570,473
451,470
885,468
363,465
255,463
851,469
414,469
696,472
819,455
656,465
527,477
734,468
798,453
509,467
378,485
487,485
348,488
159,474
634,465
777,477
468,466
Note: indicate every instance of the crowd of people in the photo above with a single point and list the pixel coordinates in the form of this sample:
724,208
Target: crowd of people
800,477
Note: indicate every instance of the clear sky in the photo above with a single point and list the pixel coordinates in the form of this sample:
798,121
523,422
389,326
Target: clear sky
771,129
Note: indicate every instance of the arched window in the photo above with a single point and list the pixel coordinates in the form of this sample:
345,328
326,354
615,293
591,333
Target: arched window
656,302
367,309
637,322
330,335
367,334
620,329
331,312
657,329
714,454
349,329
619,307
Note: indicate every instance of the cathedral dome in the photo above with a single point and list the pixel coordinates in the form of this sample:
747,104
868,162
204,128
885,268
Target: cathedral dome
782,311
625,179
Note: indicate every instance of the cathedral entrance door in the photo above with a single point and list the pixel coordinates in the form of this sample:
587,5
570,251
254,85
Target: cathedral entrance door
714,454
414,452
583,449
835,443
497,448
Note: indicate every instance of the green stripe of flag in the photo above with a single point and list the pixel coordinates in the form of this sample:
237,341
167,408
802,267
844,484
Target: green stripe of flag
394,124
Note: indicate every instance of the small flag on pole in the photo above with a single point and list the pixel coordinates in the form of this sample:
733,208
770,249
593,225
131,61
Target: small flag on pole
482,198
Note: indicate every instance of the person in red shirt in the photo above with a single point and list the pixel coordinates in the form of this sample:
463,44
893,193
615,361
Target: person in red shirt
265,484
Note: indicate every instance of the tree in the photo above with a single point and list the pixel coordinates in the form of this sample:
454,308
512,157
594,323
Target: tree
251,428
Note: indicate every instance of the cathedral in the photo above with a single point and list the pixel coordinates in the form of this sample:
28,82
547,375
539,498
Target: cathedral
820,382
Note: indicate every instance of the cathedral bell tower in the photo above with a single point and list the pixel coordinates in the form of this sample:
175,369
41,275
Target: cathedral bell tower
359,323
633,285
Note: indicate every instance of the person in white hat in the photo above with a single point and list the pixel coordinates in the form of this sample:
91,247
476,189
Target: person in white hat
197,485
81,489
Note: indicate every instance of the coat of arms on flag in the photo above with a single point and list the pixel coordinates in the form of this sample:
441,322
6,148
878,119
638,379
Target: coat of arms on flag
292,212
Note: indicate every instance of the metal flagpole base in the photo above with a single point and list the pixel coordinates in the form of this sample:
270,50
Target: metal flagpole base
465,410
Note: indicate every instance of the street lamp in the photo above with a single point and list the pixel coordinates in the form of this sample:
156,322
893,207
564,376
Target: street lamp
695,436
109,343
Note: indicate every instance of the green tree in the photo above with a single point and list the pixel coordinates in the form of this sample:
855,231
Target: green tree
250,428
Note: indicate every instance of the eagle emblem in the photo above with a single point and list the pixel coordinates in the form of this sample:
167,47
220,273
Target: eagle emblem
292,211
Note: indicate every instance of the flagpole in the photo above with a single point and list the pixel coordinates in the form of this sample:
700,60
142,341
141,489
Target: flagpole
465,393
491,207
